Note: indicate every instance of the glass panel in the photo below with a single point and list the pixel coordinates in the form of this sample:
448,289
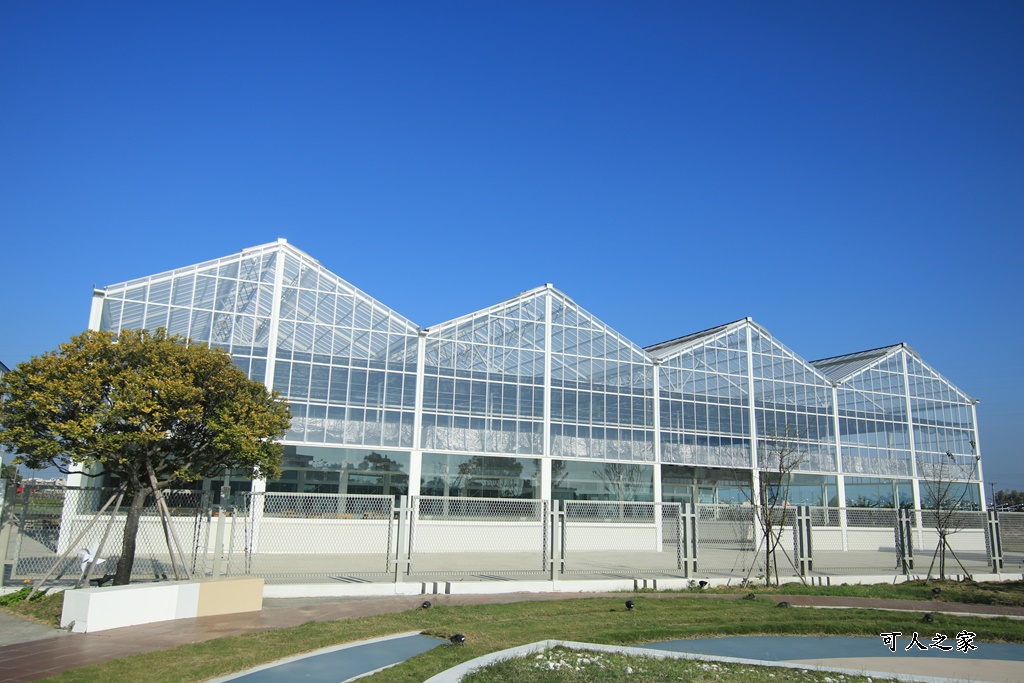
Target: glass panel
480,476
322,469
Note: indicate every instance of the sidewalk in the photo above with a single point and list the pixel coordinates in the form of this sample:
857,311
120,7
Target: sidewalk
49,656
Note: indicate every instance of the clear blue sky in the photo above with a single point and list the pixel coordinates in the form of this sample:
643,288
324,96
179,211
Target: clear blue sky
850,175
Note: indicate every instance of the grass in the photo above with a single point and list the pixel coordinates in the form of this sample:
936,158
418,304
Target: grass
489,628
44,609
561,665
1009,593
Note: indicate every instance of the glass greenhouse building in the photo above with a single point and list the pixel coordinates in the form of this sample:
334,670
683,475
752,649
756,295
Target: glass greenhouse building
536,398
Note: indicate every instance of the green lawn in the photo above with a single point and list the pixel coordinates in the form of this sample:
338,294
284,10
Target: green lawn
970,592
489,628
560,665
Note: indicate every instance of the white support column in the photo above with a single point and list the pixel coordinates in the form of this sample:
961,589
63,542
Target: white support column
416,455
417,425
913,453
415,471
840,476
259,485
977,455
545,468
275,316
96,314
656,403
755,474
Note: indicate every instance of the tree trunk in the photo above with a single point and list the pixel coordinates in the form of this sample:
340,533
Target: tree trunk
131,530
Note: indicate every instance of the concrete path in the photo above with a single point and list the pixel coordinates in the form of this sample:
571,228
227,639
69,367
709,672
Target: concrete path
15,630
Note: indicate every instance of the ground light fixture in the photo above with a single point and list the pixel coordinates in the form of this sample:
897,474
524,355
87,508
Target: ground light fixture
749,596
426,604
936,590
784,603
703,584
630,605
458,639
929,618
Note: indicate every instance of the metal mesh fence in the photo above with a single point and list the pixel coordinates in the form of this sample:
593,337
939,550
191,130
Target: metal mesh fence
855,540
358,538
1011,526
45,521
487,537
726,541
622,539
341,536
967,544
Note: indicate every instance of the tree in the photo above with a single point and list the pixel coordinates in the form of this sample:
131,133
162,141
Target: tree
152,410
10,473
1009,500
780,456
944,491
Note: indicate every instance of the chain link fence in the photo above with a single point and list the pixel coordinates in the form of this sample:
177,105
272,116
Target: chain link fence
44,523
344,537
622,538
359,538
491,538
727,541
1011,526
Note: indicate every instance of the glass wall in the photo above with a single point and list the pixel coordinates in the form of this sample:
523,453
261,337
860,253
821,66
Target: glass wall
807,489
226,303
705,416
346,363
602,391
483,381
793,408
348,366
705,485
582,480
480,476
870,492
873,428
320,469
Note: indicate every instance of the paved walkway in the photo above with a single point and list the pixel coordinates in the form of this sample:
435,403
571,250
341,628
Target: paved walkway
49,656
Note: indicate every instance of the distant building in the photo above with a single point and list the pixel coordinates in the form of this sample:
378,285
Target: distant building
535,397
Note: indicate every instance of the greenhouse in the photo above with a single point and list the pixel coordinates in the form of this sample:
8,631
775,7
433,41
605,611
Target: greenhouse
535,398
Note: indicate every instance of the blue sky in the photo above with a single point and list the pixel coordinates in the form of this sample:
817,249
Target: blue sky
850,175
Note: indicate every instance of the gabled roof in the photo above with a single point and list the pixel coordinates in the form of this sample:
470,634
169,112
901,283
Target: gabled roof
840,368
673,346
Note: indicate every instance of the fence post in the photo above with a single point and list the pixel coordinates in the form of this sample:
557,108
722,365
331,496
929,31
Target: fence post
5,530
557,561
995,542
904,540
218,543
403,539
688,539
802,540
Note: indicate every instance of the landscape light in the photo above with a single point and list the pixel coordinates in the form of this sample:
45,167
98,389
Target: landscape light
936,590
702,583
749,596
929,618
630,605
784,603
458,639
426,604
